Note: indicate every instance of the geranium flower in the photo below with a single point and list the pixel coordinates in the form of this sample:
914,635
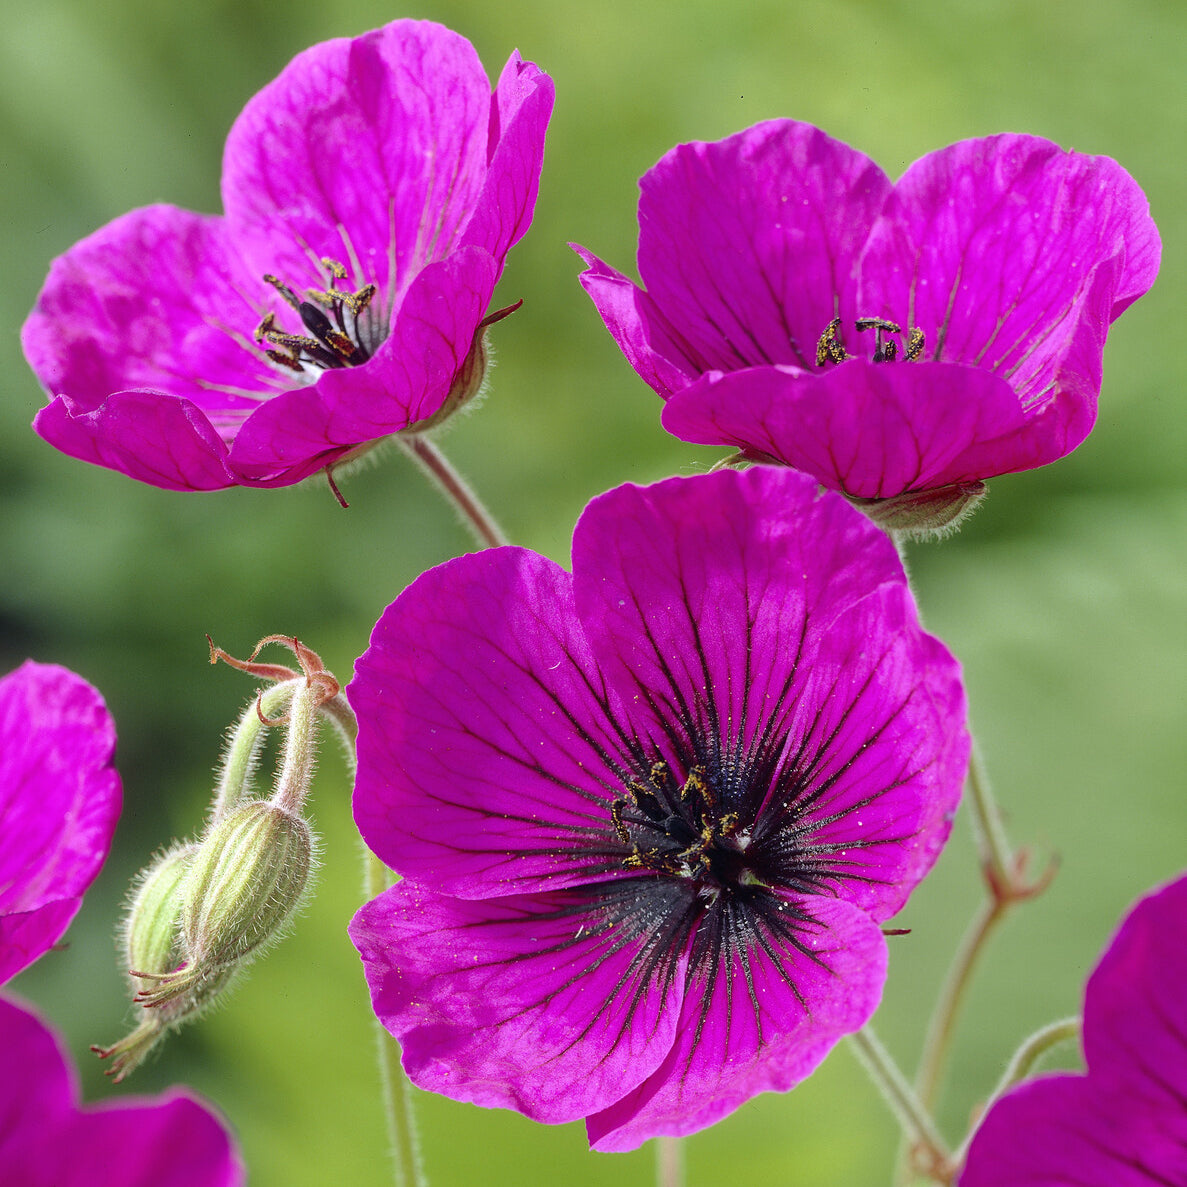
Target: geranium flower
371,193
888,339
1124,1124
651,815
59,802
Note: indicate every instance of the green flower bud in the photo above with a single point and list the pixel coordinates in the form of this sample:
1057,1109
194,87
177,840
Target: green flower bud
247,878
152,928
154,949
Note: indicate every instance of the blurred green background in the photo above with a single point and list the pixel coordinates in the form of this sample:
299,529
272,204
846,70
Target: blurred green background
1064,596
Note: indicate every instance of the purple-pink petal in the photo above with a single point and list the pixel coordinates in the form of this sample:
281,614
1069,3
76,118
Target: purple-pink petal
707,593
1135,1014
489,753
520,110
749,244
47,1140
1124,1123
370,151
876,430
59,803
760,1017
991,247
156,300
164,440
652,345
1063,1131
552,1004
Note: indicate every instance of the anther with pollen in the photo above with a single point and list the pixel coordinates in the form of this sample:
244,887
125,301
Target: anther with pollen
674,829
331,317
830,348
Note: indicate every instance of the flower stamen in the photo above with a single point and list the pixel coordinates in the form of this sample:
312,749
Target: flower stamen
688,836
830,348
332,318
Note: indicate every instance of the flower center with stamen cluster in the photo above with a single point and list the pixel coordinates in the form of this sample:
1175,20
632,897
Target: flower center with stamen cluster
830,348
681,830
338,332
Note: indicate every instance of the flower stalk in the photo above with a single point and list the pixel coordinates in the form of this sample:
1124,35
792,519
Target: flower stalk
1021,1064
929,1152
1005,874
455,489
669,1162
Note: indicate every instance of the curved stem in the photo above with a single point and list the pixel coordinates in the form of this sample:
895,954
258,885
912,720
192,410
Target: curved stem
1020,1066
943,1019
243,747
486,531
669,1162
992,844
1005,874
917,1124
402,1136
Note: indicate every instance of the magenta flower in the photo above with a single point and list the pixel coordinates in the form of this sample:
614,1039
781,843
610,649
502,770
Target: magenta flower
886,339
372,192
47,1140
59,803
651,815
1124,1124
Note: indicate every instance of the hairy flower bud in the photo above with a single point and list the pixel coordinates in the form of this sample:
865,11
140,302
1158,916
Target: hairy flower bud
151,937
247,878
154,948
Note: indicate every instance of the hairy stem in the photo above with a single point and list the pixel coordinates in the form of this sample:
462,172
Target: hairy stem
993,846
943,1020
476,517
669,1162
927,1145
403,1138
1021,1064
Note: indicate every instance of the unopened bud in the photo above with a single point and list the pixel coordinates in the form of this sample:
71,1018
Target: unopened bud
248,877
152,929
154,950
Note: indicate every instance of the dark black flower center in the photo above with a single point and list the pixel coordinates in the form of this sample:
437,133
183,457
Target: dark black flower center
337,332
684,830
831,349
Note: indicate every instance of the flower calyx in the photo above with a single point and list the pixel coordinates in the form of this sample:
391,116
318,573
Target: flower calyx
925,514
470,378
